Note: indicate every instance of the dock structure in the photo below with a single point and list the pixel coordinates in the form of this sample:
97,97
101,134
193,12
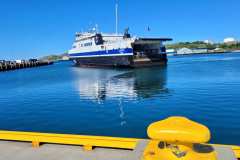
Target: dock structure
16,146
23,151
14,65
65,146
166,142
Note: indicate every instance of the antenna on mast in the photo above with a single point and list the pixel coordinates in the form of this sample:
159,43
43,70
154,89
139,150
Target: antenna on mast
116,17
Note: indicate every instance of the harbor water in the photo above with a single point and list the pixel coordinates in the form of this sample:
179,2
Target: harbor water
63,98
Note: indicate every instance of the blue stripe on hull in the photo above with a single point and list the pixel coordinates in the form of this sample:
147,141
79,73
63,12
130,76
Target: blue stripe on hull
103,53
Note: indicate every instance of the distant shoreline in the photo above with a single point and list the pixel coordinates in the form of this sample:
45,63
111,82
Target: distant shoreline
208,53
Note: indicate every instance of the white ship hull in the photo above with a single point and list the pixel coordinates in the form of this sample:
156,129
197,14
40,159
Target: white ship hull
117,51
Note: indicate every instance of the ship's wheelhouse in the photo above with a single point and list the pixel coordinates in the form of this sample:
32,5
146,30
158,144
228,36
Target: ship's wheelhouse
98,39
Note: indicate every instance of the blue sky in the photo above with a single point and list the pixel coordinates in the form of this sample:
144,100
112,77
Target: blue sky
33,28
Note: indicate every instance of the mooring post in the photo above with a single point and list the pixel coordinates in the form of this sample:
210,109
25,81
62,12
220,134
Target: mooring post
35,144
87,147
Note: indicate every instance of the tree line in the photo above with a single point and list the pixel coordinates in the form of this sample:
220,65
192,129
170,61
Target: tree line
201,44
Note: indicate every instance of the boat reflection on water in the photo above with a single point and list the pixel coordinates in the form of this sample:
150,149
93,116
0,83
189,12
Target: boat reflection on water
119,86
146,82
102,84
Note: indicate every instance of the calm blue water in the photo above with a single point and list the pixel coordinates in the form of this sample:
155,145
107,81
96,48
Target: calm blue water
67,99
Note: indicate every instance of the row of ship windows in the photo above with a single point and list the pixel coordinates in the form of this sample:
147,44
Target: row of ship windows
84,45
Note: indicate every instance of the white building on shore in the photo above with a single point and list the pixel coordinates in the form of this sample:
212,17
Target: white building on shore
230,40
208,42
184,51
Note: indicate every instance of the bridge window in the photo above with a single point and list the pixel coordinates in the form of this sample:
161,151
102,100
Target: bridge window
88,44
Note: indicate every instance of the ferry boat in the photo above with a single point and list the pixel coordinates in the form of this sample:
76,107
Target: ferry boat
94,48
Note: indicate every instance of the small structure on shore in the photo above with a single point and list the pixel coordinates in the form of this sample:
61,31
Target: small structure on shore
230,41
184,51
65,58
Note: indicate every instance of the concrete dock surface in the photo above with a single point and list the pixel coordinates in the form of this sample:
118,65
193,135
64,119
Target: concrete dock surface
10,150
24,151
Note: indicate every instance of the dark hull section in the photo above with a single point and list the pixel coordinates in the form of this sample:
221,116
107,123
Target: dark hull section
109,61
122,61
150,60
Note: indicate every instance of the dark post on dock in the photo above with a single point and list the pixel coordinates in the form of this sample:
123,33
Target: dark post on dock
19,64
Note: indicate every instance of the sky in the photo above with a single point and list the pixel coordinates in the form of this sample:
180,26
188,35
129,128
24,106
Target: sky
34,28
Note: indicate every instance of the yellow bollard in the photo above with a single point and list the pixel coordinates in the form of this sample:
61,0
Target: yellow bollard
178,138
35,144
87,148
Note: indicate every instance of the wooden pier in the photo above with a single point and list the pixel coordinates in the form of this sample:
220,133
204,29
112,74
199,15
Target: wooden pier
13,65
